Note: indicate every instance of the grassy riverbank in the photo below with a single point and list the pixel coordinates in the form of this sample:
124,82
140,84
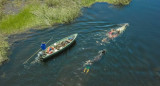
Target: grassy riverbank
3,48
39,14
3,40
2,3
42,13
114,2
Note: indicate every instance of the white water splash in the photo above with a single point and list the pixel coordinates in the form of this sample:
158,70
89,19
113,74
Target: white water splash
122,28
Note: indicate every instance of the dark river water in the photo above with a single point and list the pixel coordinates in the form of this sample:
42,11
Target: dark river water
132,59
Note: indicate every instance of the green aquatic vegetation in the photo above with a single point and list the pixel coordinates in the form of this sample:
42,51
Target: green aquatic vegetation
40,15
118,2
47,15
53,3
87,3
17,22
114,2
2,3
1,13
3,48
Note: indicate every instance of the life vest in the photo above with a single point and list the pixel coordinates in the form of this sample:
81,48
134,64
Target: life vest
49,50
110,33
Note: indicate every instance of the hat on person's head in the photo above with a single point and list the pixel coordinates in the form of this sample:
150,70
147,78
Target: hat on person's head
43,42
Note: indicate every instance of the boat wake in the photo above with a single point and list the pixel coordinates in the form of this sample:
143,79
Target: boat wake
123,27
37,60
110,35
117,32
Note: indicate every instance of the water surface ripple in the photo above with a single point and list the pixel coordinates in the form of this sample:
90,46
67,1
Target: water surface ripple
132,59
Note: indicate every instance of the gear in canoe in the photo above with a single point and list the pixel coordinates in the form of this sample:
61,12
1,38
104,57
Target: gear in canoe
56,47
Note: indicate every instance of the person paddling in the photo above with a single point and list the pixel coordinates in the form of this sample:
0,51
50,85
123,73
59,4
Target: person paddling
43,47
41,53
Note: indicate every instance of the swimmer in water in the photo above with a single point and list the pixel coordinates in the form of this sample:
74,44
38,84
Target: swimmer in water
110,34
104,40
90,62
113,33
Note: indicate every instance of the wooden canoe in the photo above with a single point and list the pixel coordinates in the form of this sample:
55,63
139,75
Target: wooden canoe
58,47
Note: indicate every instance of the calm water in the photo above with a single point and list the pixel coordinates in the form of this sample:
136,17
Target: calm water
132,59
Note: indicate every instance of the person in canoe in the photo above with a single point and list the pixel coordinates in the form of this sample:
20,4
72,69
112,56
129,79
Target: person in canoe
41,53
43,47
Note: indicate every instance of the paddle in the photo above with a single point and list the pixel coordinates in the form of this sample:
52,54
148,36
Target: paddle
35,52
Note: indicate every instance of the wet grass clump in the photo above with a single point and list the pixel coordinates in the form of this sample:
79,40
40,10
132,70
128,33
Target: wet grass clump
118,2
46,14
56,12
3,43
114,2
2,3
3,48
17,22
